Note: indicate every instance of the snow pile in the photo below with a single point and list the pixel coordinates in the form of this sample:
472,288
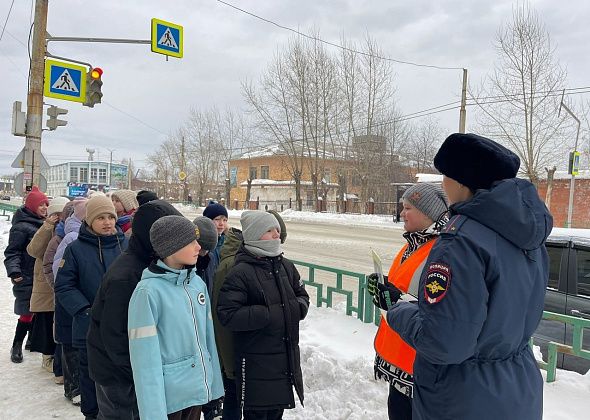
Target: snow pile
342,219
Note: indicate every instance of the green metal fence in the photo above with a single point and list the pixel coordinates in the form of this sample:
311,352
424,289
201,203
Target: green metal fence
358,300
553,348
8,209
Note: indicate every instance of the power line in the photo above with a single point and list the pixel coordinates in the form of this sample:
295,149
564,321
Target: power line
278,25
6,21
134,117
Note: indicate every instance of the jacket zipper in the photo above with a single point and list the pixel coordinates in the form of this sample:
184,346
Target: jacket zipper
197,335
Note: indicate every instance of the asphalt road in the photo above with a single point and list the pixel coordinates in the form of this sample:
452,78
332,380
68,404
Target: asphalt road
336,245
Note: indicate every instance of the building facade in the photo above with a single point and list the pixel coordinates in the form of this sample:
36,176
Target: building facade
76,178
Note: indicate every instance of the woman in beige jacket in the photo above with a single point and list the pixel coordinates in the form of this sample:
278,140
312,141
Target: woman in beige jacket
42,297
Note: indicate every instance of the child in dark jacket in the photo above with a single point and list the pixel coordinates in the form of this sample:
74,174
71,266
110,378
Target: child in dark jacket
262,301
171,340
80,273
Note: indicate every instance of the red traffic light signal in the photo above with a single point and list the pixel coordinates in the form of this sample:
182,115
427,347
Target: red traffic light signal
96,73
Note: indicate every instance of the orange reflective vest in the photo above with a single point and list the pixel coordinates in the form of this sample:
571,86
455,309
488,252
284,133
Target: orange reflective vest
406,277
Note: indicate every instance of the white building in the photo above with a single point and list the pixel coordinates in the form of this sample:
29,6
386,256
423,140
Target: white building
76,178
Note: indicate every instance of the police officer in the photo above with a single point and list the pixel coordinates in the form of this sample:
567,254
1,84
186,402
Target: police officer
481,291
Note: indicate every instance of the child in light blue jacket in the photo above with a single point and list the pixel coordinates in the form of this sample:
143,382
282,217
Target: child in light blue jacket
171,338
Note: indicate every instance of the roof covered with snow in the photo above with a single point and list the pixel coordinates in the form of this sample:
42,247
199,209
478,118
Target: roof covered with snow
578,236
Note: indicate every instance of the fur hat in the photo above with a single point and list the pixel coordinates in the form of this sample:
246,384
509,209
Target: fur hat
56,205
98,205
430,199
256,223
213,210
209,236
475,161
127,198
35,198
145,196
169,234
92,193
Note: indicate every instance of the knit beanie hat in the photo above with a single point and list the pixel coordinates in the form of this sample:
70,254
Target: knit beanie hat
208,237
80,207
56,205
127,198
281,224
92,193
35,198
257,223
98,205
170,234
430,199
213,210
67,211
475,161
145,196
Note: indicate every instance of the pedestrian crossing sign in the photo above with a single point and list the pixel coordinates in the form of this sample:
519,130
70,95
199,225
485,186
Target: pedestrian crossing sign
167,38
65,81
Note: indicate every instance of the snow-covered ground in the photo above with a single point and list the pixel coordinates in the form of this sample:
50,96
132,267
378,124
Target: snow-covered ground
336,356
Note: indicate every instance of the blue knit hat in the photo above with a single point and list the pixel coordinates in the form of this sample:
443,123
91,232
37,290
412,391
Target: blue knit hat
213,210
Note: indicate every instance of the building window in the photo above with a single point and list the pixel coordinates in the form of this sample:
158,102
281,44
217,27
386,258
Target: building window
84,175
264,172
253,172
93,176
73,174
102,176
327,175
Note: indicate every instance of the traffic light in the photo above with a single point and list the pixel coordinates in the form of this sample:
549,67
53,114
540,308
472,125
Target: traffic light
54,112
93,87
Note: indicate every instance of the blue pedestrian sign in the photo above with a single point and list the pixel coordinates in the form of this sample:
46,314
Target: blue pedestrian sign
167,38
64,80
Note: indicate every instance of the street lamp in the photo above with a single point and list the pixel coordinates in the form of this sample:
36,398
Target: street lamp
570,207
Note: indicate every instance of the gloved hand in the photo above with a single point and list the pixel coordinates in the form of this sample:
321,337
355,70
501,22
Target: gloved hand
384,295
372,281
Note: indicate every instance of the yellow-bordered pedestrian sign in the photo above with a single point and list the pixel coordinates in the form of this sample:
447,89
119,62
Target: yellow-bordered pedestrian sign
574,163
65,81
167,38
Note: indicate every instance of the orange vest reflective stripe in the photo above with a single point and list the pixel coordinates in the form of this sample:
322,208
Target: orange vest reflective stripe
406,277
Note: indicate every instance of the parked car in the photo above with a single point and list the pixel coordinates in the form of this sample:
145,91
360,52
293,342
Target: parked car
5,197
568,292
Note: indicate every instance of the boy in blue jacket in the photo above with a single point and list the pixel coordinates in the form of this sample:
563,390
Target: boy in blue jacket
171,339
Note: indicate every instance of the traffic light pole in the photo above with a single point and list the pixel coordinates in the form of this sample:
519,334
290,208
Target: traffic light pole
35,98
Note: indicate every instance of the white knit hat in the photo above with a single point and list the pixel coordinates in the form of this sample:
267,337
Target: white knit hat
56,205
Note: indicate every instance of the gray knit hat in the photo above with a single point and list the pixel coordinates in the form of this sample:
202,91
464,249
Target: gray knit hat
430,199
208,236
256,223
170,234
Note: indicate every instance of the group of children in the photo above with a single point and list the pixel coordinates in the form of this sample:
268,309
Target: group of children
156,316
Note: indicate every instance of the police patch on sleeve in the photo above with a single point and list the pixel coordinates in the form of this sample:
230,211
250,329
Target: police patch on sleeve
437,282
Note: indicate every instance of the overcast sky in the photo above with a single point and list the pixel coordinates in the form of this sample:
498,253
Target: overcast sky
146,97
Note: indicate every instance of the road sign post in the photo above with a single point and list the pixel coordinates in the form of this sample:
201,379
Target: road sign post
167,38
65,81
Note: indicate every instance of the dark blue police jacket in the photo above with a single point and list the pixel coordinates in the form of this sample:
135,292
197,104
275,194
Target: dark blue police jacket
480,300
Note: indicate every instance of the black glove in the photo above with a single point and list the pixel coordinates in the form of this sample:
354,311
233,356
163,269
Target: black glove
384,295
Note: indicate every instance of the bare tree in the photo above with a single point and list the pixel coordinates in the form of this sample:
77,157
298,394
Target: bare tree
424,143
519,101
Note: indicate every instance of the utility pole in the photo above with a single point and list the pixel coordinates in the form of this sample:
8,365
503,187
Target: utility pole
111,166
35,98
570,207
463,111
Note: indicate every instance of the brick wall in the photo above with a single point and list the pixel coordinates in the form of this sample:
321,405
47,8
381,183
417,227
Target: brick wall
560,199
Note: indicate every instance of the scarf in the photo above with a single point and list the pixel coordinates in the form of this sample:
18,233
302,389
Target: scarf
268,248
